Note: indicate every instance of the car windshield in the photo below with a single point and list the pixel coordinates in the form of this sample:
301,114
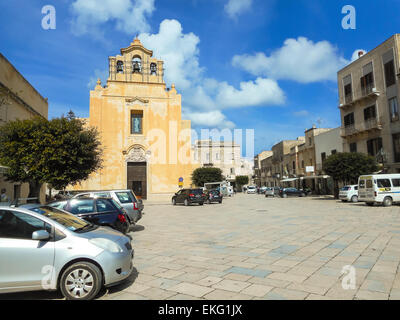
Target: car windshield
66,219
125,197
346,188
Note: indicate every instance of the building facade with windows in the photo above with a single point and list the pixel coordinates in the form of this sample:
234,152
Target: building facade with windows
18,100
146,144
225,155
369,104
260,174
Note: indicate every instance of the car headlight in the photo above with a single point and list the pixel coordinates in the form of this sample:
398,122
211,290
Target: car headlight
106,244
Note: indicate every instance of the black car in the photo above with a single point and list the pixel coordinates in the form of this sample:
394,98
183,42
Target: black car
291,192
189,196
214,196
100,211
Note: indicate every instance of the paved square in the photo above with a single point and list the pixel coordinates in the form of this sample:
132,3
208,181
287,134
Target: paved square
252,247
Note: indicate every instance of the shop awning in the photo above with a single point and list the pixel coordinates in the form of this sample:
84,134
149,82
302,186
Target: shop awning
315,177
289,180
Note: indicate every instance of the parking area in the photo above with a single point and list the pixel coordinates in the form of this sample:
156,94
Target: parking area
252,247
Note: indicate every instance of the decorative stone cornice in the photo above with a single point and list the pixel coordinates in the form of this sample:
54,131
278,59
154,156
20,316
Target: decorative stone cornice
132,100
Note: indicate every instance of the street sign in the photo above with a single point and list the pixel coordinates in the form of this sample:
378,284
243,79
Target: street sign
180,179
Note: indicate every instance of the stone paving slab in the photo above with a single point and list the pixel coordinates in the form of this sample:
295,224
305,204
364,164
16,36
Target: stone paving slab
251,247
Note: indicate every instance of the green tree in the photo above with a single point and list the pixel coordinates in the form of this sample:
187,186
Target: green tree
200,176
59,152
241,181
347,167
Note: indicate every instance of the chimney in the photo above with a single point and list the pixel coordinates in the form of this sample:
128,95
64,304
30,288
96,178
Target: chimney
360,53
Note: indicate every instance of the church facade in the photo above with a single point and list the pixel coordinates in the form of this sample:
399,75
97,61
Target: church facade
146,144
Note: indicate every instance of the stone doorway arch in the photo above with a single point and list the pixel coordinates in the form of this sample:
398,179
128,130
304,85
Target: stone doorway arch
136,166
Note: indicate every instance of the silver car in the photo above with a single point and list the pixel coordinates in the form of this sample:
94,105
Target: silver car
125,198
44,248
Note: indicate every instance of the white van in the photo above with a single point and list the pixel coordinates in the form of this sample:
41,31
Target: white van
379,188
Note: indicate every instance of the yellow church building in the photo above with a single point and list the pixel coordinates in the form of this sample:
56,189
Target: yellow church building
146,144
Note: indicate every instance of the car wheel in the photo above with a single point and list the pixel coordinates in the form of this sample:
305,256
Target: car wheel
201,203
387,202
174,202
81,281
370,204
344,200
284,195
186,202
303,195
354,199
220,201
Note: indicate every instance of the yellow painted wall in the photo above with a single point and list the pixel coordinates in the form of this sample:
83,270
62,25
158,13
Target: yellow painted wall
23,103
163,128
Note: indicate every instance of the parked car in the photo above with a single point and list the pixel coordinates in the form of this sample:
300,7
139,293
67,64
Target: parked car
125,198
189,196
349,193
263,189
251,190
291,192
272,192
214,196
61,195
99,211
49,249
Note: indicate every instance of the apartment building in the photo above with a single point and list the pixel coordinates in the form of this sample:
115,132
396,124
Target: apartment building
282,161
18,100
266,170
259,176
298,163
225,155
368,95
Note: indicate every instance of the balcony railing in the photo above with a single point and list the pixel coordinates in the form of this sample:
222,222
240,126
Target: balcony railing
368,89
348,98
370,124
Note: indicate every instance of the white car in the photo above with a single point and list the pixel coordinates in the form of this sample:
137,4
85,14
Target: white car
251,189
349,193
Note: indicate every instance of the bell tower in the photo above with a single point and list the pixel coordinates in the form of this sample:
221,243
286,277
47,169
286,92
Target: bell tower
136,64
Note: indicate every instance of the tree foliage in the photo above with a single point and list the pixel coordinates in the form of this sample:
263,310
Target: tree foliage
347,167
242,180
200,176
59,152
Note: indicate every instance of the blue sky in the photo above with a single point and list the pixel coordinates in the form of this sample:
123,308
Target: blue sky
266,65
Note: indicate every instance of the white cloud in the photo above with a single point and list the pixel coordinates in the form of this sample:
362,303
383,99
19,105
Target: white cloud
204,98
212,119
251,93
130,16
299,60
235,7
179,52
355,56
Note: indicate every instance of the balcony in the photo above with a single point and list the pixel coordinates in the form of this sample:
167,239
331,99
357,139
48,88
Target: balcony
367,93
368,125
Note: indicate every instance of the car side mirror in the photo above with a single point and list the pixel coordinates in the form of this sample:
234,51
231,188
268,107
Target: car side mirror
40,235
